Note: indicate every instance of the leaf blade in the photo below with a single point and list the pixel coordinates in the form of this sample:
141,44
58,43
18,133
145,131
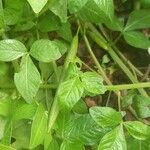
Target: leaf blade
105,116
11,49
28,79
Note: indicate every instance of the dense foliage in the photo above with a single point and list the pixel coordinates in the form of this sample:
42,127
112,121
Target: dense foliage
65,83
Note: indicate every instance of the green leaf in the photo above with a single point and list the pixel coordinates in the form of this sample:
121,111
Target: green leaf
4,147
47,141
71,146
138,129
4,107
65,31
114,140
28,79
115,24
134,144
6,140
70,93
59,8
105,116
37,5
145,3
62,123
4,68
141,106
11,16
45,50
75,5
128,99
11,49
138,19
83,129
93,83
24,110
2,127
39,127
25,26
53,145
80,107
107,7
21,134
45,25
137,39
97,11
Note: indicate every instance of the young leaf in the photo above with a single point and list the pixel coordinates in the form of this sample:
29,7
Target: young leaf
138,19
71,146
138,129
105,116
70,93
93,83
45,50
39,127
11,49
137,39
4,147
28,79
59,8
37,5
113,140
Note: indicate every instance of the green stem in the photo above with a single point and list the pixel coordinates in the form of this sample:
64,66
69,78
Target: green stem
127,61
55,70
16,65
116,58
114,47
108,87
128,86
96,61
119,101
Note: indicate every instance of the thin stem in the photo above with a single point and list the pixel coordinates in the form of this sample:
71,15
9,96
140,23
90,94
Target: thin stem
116,58
134,113
37,31
114,47
127,61
108,99
117,39
55,70
87,66
128,86
96,61
108,87
119,101
16,65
